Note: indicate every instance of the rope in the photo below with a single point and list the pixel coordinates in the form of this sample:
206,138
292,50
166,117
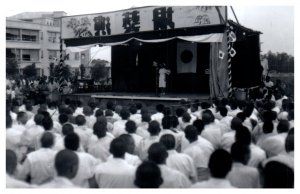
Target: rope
61,66
229,46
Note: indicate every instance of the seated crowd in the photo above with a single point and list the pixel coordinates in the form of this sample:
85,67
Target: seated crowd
225,143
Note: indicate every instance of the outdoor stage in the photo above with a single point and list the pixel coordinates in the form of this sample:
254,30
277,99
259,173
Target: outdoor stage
124,98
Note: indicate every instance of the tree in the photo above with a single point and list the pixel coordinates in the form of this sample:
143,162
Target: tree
12,70
280,62
99,69
30,71
64,72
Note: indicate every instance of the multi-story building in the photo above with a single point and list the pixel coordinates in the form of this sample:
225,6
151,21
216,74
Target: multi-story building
34,37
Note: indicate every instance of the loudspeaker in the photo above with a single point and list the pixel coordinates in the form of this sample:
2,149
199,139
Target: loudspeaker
186,57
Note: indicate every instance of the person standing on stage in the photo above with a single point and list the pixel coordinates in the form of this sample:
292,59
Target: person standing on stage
162,78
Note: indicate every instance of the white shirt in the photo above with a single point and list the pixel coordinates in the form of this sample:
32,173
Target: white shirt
40,165
137,118
213,134
162,77
115,173
12,182
225,124
157,117
227,140
86,168
59,182
198,155
84,134
257,156
90,121
284,158
29,135
274,145
137,139
213,183
144,146
119,128
142,130
13,142
100,147
183,163
243,176
205,145
178,136
130,159
173,178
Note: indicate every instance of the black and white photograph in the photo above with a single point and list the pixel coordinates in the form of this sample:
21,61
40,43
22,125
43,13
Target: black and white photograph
148,95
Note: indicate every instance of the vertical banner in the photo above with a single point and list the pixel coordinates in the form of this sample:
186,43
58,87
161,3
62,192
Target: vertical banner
186,57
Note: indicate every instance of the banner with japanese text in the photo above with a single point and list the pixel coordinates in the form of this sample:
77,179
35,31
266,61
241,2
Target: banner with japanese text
141,20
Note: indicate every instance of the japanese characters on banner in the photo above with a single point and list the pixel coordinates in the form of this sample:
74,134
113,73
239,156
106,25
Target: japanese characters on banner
141,20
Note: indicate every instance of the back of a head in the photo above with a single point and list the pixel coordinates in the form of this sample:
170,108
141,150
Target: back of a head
133,109
129,142
87,111
240,152
117,148
8,121
186,117
191,133
289,142
67,128
11,162
99,129
242,116
47,140
235,123
72,141
166,122
130,126
66,163
157,153
22,117
243,135
63,118
146,117
139,106
268,127
148,175
154,128
223,111
278,175
108,113
174,121
220,163
80,120
99,112
167,111
207,117
199,125
168,140
118,109
283,126
110,105
124,113
180,111
160,108
205,105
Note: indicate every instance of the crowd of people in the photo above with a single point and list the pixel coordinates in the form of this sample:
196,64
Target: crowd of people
223,143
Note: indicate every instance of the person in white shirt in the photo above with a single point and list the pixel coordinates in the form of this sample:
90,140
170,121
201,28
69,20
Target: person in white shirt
178,161
154,130
22,119
167,125
99,147
179,113
115,172
11,165
89,116
229,138
79,109
87,162
220,164
241,175
212,131
158,115
225,121
142,129
148,175
186,120
83,131
163,72
130,128
119,126
234,110
157,153
268,83
39,165
197,153
66,166
134,116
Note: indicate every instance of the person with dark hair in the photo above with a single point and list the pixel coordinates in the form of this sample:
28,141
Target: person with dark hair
11,166
157,153
115,172
87,162
159,113
234,110
167,128
198,152
242,175
186,120
66,166
212,131
139,107
39,164
219,165
229,138
268,130
130,128
278,175
179,113
89,116
83,131
119,126
148,175
109,116
22,119
154,130
178,161
130,156
99,143
78,108
63,118
243,136
134,115
225,120
142,128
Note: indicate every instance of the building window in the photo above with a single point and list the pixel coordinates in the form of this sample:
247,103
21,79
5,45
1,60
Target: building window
42,35
52,54
30,35
42,54
30,55
13,54
77,56
12,34
53,37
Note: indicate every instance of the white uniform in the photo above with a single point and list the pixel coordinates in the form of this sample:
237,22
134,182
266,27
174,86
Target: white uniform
144,146
119,128
214,183
173,178
162,77
59,182
100,147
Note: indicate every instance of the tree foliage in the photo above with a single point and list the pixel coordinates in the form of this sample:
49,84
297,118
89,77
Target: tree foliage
99,70
64,72
30,71
12,70
280,62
